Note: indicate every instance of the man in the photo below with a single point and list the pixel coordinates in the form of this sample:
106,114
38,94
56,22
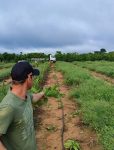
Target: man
16,114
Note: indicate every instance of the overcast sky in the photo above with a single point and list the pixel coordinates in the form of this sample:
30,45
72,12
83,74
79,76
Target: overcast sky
50,25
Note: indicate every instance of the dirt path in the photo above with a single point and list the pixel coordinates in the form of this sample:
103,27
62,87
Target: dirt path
103,77
49,131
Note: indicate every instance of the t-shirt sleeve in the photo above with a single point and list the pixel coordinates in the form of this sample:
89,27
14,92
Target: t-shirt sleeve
6,117
31,96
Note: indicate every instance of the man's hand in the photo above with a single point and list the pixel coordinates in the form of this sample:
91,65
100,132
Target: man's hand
37,97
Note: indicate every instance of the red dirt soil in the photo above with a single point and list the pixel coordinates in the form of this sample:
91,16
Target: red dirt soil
49,121
103,77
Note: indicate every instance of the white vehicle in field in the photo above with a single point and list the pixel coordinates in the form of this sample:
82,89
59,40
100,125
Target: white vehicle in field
52,58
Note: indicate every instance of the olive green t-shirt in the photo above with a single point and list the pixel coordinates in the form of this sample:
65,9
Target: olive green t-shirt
16,123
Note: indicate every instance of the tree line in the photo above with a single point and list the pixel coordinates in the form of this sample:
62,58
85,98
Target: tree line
69,57
97,55
8,57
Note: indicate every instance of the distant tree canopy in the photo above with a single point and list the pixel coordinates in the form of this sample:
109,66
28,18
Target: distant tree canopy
69,57
16,57
103,50
97,55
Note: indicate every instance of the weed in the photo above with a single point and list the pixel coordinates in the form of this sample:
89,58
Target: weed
60,105
72,145
51,128
75,113
53,91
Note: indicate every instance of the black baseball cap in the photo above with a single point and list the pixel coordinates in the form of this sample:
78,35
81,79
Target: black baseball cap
21,70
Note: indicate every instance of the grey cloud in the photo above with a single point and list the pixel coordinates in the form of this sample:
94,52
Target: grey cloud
52,24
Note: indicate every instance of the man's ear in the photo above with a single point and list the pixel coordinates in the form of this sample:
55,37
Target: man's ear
30,75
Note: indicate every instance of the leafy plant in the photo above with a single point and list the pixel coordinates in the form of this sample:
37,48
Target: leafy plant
53,91
72,145
41,102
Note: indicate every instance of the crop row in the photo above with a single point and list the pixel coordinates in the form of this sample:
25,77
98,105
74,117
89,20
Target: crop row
38,81
103,67
6,65
5,73
96,99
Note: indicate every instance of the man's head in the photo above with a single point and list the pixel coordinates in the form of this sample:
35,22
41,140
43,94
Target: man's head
21,71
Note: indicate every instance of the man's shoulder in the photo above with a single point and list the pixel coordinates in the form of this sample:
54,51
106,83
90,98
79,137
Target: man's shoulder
6,100
6,108
10,101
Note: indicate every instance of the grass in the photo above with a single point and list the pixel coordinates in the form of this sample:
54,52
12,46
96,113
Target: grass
73,75
3,91
103,67
36,85
39,81
6,65
53,91
5,70
5,73
96,99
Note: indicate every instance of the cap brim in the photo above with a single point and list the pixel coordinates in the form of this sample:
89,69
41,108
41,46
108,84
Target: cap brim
36,72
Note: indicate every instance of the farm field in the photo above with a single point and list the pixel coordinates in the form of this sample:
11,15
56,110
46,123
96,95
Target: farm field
77,107
95,97
59,119
5,65
5,69
104,67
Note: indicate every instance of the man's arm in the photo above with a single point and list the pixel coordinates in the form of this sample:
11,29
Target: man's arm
37,97
2,147
6,117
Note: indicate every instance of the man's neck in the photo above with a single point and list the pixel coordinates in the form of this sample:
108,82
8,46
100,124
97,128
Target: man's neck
19,91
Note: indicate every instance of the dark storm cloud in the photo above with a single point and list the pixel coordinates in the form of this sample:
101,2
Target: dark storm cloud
52,24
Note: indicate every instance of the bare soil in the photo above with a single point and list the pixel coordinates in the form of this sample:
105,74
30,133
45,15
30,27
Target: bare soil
49,121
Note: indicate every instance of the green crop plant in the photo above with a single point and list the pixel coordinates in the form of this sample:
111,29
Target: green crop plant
38,81
73,75
53,91
6,65
96,100
3,91
5,73
72,145
103,67
40,102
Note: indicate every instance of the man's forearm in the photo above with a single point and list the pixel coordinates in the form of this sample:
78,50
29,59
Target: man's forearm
2,147
38,96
